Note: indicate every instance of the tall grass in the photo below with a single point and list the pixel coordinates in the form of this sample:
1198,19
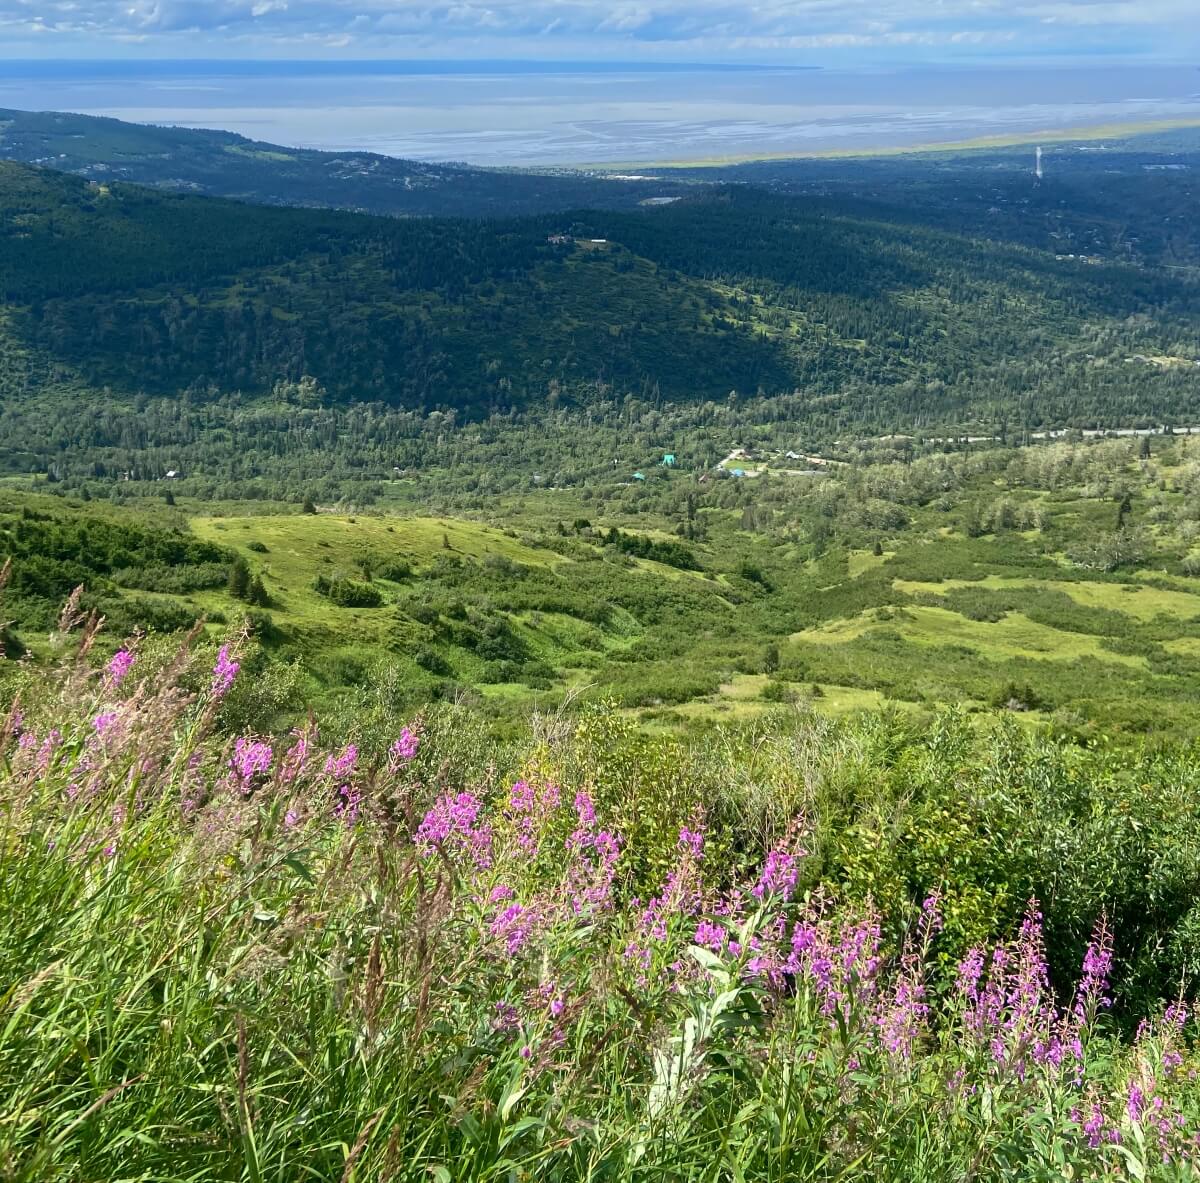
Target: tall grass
246,958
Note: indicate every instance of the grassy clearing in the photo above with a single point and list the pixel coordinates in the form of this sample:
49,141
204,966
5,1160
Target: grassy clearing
299,545
1014,636
1142,603
858,562
742,699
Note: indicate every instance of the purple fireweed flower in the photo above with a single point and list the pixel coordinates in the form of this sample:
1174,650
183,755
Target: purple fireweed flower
250,757
530,809
549,996
448,815
291,819
841,966
295,758
932,921
970,973
514,926
453,823
902,1019
711,936
104,724
348,804
118,667
585,810
778,877
1092,1125
1135,1102
224,672
902,1016
591,869
692,840
678,900
1091,994
342,766
782,867
1049,1050
49,745
405,748
680,894
1031,1010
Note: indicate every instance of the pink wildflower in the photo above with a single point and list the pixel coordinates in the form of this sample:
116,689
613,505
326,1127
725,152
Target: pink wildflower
405,748
1093,985
343,764
224,672
48,748
294,759
250,757
118,667
104,724
453,822
778,877
530,809
711,936
514,926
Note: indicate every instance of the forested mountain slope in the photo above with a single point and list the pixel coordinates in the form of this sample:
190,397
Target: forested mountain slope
1134,198
133,290
224,164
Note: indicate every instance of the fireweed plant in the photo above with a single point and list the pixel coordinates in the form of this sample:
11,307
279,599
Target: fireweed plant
260,958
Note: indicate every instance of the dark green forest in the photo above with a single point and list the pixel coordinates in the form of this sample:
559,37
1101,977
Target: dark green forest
125,293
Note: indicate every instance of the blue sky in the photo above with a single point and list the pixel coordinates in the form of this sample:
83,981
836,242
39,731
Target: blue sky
812,32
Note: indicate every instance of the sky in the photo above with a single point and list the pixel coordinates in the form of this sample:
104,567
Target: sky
799,32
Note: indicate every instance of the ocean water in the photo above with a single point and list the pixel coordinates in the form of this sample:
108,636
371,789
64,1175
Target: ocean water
505,113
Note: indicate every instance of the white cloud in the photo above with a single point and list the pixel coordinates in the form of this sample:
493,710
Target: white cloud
711,27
